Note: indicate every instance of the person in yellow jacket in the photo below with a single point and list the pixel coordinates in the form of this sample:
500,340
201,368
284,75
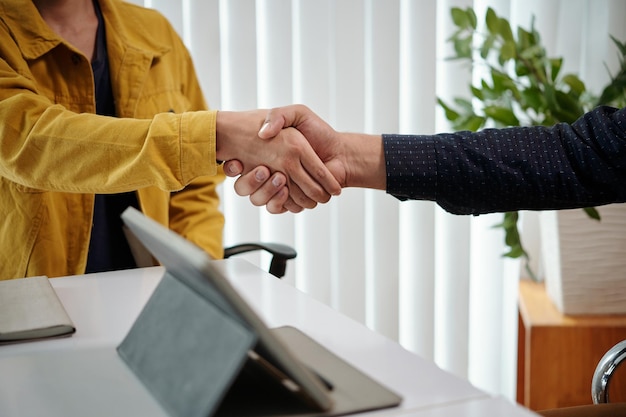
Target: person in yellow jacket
100,108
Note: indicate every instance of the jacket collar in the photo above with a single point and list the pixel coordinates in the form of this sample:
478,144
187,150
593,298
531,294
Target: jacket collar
35,38
118,30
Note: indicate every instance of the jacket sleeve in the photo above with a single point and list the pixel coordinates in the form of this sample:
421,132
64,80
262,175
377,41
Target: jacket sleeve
45,146
495,170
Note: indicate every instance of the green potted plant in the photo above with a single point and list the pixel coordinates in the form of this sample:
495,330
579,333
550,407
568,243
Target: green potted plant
522,86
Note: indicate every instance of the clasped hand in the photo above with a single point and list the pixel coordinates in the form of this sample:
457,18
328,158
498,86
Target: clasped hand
304,170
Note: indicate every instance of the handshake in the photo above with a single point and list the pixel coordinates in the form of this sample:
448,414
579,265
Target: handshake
295,159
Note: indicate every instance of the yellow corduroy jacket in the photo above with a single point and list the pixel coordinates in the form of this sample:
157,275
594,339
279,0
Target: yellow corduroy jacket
55,153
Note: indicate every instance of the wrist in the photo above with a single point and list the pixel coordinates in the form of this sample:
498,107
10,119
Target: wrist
365,161
223,126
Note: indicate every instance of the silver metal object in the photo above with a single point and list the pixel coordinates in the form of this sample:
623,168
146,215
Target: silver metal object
605,369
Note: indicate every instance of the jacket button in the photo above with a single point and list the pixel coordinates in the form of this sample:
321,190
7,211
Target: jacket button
76,59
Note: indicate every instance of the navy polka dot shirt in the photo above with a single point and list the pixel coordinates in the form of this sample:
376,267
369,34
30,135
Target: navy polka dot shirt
564,166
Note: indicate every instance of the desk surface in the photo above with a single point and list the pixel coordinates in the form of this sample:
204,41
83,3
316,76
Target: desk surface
104,306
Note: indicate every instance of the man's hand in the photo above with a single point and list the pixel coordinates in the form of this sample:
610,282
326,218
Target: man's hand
268,189
308,179
324,139
355,160
263,187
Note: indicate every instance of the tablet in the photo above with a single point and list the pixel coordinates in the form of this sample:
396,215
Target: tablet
269,354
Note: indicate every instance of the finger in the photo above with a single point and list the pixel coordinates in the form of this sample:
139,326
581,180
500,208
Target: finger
248,183
315,180
306,170
301,198
233,168
321,174
276,205
292,207
269,189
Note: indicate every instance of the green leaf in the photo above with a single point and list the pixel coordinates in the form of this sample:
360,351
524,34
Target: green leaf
555,68
489,93
550,96
509,220
539,73
515,252
511,236
505,30
463,47
524,38
575,84
500,81
459,17
477,92
507,51
450,114
521,69
535,39
533,98
611,93
569,108
492,21
487,46
616,89
471,123
471,16
592,212
464,104
621,46
502,115
533,52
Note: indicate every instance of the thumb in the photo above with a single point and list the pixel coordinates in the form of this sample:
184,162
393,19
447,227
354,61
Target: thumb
279,118
271,127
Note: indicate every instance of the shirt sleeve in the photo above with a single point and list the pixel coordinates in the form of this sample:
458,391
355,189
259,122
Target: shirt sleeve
535,168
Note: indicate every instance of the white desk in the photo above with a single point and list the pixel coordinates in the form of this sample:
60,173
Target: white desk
104,306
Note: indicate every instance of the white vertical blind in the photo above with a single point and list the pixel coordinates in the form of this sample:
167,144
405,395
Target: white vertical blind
417,219
431,280
451,240
347,246
312,52
381,212
201,33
